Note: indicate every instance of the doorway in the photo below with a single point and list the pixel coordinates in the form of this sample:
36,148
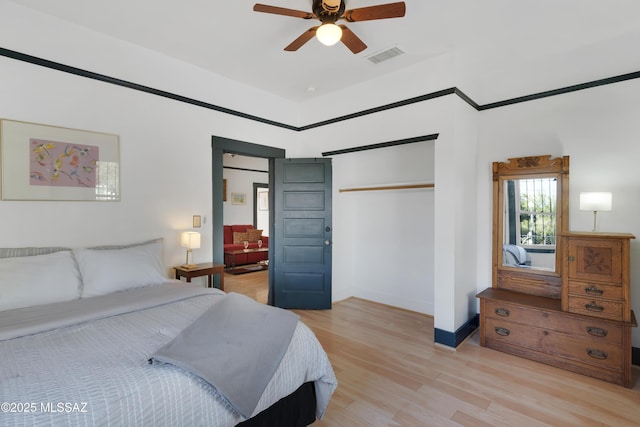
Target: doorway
299,255
220,146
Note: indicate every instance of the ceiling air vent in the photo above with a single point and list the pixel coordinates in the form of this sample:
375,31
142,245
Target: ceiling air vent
384,55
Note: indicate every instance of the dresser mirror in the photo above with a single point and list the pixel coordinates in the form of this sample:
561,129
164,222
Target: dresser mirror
530,204
529,223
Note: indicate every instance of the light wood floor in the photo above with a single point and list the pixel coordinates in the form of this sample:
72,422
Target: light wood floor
391,373
254,285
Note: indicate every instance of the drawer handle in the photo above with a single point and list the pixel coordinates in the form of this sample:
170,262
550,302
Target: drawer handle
593,290
502,331
592,306
597,354
596,332
502,312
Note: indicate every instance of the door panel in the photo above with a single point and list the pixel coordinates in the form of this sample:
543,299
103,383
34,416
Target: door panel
302,261
301,254
304,227
295,200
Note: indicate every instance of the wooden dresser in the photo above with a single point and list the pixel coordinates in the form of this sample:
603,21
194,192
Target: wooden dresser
558,297
587,330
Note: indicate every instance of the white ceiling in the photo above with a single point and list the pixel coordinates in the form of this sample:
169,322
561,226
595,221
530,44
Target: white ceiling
538,44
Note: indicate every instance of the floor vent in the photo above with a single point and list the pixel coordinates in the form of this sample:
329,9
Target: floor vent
384,55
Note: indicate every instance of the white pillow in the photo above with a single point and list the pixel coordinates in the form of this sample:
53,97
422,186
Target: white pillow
111,270
39,279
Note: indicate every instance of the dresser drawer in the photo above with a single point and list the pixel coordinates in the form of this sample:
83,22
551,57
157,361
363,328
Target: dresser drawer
541,329
596,307
595,290
586,329
593,352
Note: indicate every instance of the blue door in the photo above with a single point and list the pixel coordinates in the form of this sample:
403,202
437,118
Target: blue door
302,231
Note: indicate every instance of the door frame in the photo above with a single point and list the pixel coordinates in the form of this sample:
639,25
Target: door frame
220,146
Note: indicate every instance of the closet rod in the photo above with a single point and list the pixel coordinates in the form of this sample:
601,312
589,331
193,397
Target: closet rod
388,187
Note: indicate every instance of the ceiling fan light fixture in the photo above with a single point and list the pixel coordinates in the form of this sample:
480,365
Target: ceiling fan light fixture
329,34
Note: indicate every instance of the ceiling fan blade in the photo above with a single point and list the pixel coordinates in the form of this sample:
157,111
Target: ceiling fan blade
282,11
352,41
305,37
383,11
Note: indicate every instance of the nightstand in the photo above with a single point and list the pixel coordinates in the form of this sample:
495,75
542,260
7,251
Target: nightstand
206,269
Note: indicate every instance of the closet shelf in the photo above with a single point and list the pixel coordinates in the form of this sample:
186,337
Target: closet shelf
389,187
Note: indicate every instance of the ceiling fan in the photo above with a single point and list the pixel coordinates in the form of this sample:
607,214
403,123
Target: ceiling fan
329,12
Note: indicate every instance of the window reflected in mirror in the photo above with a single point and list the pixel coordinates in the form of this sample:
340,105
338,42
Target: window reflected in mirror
529,234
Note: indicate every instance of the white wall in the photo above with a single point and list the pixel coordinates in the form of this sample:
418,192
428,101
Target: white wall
464,163
421,79
454,226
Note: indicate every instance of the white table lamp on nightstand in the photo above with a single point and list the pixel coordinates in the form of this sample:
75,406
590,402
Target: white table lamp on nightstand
190,240
595,202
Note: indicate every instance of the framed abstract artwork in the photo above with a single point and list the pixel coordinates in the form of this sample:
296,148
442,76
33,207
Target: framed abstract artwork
41,162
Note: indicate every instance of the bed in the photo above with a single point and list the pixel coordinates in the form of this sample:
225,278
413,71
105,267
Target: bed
82,336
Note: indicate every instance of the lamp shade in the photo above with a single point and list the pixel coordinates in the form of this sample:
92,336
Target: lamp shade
329,34
595,201
191,240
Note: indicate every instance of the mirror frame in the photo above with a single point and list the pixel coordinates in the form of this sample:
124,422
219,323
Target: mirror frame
530,281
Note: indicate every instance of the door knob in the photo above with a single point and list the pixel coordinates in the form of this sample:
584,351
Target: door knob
327,242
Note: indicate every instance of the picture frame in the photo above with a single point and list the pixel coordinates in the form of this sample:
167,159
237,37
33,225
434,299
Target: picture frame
238,198
52,163
224,190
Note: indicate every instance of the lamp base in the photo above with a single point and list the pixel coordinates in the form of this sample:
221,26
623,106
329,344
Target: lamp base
188,266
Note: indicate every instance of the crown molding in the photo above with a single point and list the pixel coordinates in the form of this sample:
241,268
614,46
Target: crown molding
422,98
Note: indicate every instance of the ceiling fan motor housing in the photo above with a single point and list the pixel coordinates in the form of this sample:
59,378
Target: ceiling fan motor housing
328,10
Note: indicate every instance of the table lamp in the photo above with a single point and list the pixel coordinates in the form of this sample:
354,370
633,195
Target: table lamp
190,240
595,202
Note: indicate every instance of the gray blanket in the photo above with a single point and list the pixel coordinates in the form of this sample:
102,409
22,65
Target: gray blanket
236,346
